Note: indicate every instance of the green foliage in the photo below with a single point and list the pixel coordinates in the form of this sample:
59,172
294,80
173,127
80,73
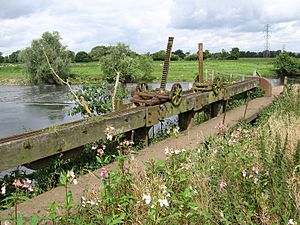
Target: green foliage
35,62
158,56
179,53
1,58
286,65
191,57
98,52
71,55
132,68
234,53
98,98
82,56
14,57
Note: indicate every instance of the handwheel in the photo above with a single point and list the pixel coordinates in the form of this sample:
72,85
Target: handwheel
176,94
142,87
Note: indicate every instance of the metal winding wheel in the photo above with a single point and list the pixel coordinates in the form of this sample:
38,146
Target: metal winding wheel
176,94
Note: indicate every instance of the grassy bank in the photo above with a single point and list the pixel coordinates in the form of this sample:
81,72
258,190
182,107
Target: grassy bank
246,175
179,70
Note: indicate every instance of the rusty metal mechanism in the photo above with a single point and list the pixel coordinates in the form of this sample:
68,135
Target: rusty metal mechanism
199,85
145,97
215,86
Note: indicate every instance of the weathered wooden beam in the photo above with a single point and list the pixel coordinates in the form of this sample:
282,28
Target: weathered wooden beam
32,146
66,137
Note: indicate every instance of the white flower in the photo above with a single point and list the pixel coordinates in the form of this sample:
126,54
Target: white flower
3,190
75,181
244,173
163,202
291,222
221,215
147,199
30,189
110,132
177,151
94,146
168,151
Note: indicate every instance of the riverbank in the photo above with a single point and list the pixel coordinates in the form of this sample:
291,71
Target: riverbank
187,140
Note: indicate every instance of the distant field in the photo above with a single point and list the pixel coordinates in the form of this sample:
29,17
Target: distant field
179,70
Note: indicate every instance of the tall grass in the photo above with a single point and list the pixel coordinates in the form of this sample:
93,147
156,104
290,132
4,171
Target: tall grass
248,175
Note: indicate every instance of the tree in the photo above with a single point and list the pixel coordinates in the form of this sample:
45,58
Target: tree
206,54
286,65
131,66
159,56
71,55
191,57
98,52
14,57
234,53
35,61
180,53
1,57
82,56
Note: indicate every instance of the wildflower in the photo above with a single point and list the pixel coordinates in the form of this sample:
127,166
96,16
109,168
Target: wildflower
244,173
100,152
168,151
71,174
291,222
163,202
17,183
104,173
6,222
255,169
222,185
177,151
184,166
91,202
147,199
255,180
221,215
94,146
3,190
126,168
110,132
83,201
132,158
75,181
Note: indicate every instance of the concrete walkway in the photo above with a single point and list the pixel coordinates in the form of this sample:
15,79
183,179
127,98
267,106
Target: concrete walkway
187,139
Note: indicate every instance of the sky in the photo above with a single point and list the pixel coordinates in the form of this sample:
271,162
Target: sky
145,25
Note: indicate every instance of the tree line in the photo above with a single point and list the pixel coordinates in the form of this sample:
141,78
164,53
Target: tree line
100,51
119,58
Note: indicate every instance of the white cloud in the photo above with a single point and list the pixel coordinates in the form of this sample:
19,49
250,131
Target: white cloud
146,25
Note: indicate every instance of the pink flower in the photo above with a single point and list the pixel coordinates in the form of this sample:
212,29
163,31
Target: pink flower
100,151
222,185
244,173
17,183
104,173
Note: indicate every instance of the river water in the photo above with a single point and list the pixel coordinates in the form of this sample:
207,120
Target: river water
25,108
